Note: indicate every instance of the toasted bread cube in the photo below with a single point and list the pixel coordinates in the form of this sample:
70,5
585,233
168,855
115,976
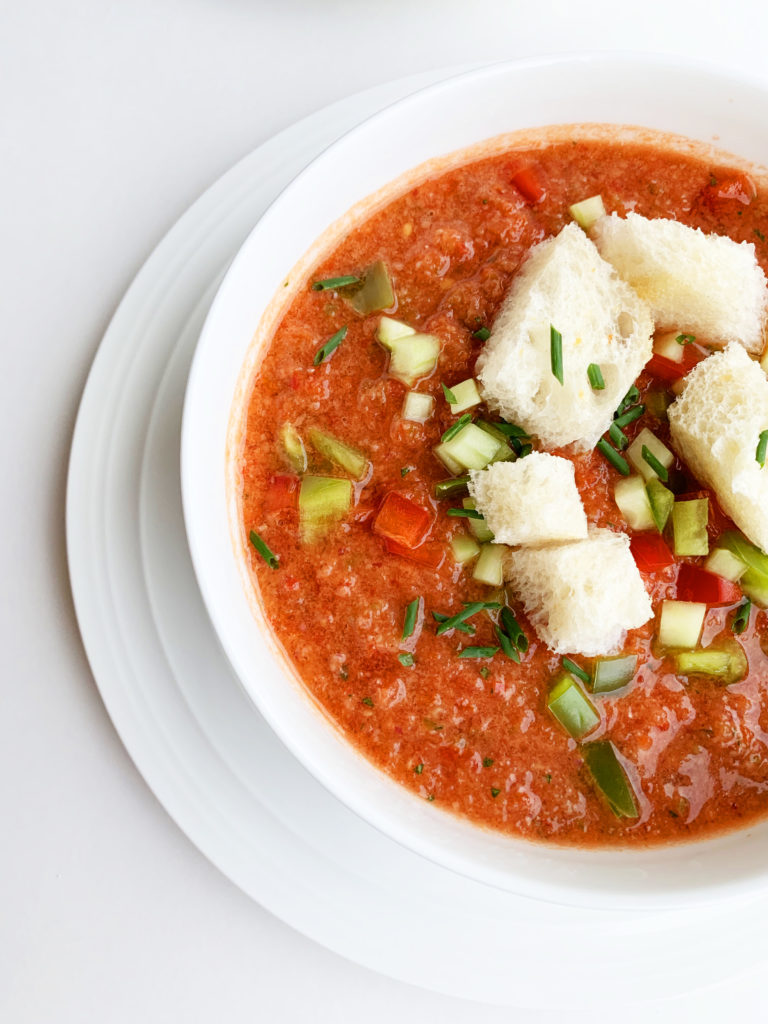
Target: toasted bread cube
716,424
565,284
581,597
531,501
707,285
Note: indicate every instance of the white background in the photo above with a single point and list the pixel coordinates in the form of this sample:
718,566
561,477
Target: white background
114,117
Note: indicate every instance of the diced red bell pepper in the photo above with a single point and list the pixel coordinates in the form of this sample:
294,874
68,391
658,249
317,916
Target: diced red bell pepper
431,555
282,493
650,552
402,520
722,193
527,183
696,584
668,369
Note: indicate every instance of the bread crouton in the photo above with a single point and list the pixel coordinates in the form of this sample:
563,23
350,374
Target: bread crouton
531,501
716,424
707,285
582,597
565,284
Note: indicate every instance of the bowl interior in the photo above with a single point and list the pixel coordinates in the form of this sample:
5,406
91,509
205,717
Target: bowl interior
349,178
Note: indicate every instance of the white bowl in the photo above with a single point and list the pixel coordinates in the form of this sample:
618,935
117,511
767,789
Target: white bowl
663,94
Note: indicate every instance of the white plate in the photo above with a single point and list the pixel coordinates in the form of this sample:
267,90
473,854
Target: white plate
207,754
378,159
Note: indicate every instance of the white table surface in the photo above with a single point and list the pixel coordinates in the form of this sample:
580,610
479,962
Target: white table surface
114,117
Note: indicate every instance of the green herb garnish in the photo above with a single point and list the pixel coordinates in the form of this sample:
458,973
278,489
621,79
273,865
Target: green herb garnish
494,792
510,429
629,399
462,627
484,671
470,609
269,556
368,701
487,762
759,234
462,421
575,670
613,457
506,645
513,629
406,470
419,768
449,395
617,435
741,618
465,513
661,471
333,343
334,282
482,334
629,416
595,376
405,659
556,352
478,652
452,488
411,612
685,339
762,447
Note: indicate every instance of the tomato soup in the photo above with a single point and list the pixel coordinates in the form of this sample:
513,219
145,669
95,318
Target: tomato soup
358,608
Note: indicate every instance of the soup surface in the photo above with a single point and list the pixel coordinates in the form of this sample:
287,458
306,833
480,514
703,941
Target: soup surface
474,733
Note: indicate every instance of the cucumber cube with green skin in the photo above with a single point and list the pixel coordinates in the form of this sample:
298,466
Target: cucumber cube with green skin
630,495
323,501
467,396
343,455
478,527
588,211
464,548
610,778
661,500
471,448
689,526
727,664
754,582
680,623
571,707
723,562
613,673
489,567
635,453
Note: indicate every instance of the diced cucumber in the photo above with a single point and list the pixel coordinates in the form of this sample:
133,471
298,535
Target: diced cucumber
390,330
727,664
489,567
588,211
668,346
471,448
723,562
689,526
755,586
466,395
505,453
447,460
464,547
632,498
610,778
374,293
749,553
323,500
655,446
417,407
343,455
662,500
657,403
293,447
478,527
612,673
680,623
571,708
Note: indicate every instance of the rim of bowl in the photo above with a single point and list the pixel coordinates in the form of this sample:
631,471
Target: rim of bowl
663,876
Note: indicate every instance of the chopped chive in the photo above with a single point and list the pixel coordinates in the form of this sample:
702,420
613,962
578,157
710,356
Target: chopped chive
759,234
478,652
461,422
661,471
506,645
405,659
629,416
613,457
419,768
514,630
618,436
484,671
685,339
406,470
595,375
430,798
494,792
411,613
452,488
510,429
461,627
269,556
334,282
333,343
470,609
575,670
525,449
482,334
465,513
556,352
741,618
487,762
629,399
762,446
368,701
449,395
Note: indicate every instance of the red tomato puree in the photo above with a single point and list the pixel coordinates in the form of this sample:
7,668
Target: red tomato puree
474,735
